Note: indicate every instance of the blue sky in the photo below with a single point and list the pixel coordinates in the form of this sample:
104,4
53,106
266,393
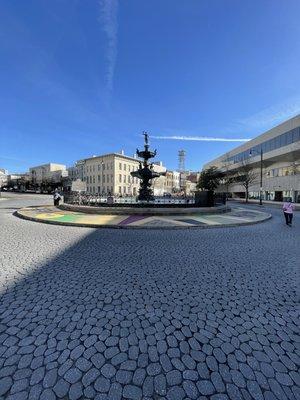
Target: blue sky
82,77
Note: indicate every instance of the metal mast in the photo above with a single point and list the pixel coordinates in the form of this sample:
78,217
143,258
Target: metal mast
181,160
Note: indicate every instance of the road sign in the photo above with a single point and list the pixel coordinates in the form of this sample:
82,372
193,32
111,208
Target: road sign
78,186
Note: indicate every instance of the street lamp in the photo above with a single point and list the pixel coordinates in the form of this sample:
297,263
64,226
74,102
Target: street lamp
261,171
102,166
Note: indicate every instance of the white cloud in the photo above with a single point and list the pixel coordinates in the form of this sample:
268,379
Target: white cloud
10,158
109,23
273,115
200,138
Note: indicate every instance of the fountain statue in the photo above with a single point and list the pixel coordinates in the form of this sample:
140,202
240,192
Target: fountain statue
146,172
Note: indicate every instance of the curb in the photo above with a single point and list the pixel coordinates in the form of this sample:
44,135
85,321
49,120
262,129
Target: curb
25,217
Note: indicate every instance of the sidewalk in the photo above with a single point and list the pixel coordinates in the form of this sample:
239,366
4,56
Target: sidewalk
52,215
277,204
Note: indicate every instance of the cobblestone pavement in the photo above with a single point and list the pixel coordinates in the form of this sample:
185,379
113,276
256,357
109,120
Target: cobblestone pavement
114,314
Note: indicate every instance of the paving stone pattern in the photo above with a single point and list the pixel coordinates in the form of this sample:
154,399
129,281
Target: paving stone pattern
106,314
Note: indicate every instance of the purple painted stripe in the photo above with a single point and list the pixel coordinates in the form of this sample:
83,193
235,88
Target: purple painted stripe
131,218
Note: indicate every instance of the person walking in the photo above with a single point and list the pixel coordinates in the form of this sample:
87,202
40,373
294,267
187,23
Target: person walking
288,210
56,198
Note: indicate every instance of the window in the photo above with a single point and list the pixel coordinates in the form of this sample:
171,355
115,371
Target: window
98,189
94,179
283,140
98,178
124,179
289,138
124,167
120,165
120,178
120,190
272,144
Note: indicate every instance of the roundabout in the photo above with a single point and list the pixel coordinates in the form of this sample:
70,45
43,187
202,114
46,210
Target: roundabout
146,211
197,219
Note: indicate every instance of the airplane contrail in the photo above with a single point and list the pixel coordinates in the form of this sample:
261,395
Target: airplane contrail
200,138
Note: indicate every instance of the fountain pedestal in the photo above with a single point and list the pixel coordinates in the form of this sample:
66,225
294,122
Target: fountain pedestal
145,172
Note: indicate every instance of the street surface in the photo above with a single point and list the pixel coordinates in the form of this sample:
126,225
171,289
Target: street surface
130,314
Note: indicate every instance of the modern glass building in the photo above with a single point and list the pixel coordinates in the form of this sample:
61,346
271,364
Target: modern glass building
280,149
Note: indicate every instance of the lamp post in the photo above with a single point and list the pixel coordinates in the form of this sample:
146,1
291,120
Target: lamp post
261,171
102,164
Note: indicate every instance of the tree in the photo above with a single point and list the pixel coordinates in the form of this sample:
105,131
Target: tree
246,176
228,174
210,179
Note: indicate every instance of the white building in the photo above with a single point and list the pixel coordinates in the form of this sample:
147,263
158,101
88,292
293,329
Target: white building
47,173
280,147
3,177
158,184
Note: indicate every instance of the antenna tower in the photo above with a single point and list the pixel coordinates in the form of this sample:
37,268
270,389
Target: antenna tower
181,160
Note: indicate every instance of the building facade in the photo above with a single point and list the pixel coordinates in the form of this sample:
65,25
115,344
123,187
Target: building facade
76,172
3,177
280,148
172,182
110,174
158,184
50,173
188,182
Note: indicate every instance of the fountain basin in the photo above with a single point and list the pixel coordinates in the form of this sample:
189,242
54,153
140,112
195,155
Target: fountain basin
159,209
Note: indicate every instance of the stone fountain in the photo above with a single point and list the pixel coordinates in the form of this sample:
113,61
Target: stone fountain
146,204
146,171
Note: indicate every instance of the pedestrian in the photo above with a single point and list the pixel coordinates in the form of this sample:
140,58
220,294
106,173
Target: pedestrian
56,198
288,209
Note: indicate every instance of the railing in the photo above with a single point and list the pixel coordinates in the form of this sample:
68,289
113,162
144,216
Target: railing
96,200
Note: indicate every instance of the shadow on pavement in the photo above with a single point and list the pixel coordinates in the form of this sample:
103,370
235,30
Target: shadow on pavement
150,316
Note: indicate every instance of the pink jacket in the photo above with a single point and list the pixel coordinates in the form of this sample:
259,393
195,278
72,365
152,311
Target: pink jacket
288,207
